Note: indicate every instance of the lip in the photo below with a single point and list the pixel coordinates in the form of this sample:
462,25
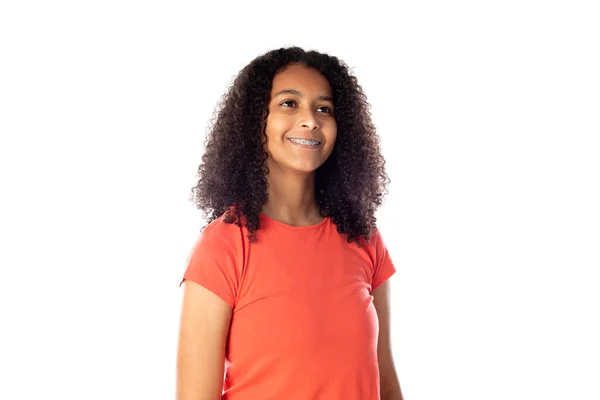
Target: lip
305,138
305,146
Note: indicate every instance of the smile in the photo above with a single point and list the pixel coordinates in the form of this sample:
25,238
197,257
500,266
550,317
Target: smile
311,144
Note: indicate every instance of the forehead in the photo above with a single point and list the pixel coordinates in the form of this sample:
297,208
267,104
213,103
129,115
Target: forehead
304,79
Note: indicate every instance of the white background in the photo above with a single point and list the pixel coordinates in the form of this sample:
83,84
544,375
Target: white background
489,118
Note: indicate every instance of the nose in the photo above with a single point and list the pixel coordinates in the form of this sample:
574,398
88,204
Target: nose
307,119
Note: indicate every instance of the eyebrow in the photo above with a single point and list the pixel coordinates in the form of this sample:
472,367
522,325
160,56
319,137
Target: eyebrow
297,93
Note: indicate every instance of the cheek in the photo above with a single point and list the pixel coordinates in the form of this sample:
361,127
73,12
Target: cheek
332,137
276,126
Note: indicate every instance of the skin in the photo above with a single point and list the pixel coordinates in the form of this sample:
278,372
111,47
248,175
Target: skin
388,378
291,178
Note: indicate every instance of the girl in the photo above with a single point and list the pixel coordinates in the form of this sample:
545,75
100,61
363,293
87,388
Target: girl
286,293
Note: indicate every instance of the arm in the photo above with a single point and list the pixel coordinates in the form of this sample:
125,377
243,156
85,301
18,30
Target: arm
204,327
389,385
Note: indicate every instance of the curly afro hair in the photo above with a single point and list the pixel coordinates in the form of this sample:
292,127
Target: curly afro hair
349,185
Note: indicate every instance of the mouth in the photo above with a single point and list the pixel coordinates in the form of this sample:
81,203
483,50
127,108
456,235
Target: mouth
305,143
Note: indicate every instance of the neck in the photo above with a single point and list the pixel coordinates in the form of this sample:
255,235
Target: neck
291,199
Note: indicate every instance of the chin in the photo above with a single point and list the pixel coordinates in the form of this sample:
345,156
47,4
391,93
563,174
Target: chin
306,168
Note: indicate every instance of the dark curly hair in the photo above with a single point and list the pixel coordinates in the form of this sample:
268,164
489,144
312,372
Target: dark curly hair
349,185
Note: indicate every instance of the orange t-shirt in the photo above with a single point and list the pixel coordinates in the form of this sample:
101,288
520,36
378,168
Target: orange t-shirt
304,326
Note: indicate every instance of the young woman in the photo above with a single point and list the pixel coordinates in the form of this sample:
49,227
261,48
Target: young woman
286,293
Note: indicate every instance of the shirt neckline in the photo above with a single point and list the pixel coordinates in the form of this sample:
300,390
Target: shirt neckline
274,222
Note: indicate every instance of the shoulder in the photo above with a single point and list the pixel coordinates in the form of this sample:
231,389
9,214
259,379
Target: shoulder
220,243
376,241
219,232
219,227
372,244
376,248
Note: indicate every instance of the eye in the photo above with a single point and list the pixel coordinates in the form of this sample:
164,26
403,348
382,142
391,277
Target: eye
287,101
292,101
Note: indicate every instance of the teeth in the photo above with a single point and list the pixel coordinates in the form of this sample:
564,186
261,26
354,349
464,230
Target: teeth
302,141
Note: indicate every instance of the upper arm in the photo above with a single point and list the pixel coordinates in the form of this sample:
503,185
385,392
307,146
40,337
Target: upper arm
203,331
387,371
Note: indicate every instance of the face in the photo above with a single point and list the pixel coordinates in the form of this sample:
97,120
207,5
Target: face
303,111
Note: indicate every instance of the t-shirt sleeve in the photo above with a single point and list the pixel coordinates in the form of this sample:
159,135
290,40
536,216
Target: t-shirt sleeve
384,267
214,262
